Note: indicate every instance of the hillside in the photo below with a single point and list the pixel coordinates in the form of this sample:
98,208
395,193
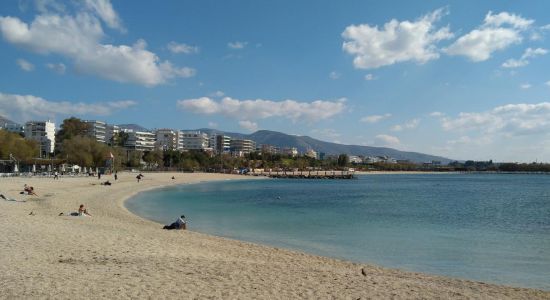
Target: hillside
303,143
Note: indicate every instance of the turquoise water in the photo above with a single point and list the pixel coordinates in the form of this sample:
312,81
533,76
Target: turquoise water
487,227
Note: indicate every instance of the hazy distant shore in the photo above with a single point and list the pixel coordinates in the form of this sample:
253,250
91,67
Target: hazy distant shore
115,254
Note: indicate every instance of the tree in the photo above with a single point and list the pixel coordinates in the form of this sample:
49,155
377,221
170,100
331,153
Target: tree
343,160
153,158
20,148
84,151
119,139
70,128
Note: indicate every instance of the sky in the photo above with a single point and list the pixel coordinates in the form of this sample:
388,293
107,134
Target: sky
460,79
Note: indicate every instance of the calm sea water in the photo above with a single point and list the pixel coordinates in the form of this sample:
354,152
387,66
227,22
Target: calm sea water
488,227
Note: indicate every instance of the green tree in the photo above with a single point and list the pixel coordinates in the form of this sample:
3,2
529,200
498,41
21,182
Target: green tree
343,160
153,158
84,151
20,148
70,128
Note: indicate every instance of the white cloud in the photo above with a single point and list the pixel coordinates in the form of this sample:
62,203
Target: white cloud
511,119
217,94
261,109
369,77
525,86
182,48
437,114
524,60
374,118
395,42
78,38
105,11
248,125
411,124
496,33
24,65
237,45
547,83
387,140
212,125
59,68
24,107
334,75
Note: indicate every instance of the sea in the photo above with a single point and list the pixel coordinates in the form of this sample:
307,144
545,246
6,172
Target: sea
484,227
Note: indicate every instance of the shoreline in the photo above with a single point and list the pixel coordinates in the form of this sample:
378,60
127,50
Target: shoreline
117,254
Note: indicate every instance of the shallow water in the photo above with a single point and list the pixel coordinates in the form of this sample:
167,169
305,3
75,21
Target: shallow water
488,227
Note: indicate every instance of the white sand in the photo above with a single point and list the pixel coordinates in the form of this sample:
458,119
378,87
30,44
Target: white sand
115,254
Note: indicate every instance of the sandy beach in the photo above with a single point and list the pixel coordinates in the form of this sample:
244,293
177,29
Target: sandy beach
115,254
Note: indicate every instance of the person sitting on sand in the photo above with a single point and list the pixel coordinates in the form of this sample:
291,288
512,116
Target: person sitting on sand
106,183
180,223
82,211
29,190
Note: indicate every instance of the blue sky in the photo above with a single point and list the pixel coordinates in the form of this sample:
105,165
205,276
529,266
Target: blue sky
461,79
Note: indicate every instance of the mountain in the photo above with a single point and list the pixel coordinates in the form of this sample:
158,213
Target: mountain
304,143
134,127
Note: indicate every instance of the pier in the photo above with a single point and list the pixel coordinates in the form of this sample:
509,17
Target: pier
331,174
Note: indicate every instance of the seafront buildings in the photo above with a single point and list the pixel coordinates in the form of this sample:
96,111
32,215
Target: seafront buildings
195,140
44,133
240,147
139,140
97,130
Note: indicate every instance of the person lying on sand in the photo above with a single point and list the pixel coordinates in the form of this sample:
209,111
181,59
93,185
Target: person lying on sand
29,190
106,183
178,224
81,212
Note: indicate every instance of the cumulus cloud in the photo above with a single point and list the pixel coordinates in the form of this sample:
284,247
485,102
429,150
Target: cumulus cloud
217,94
510,119
106,12
496,33
387,140
79,38
182,48
237,45
411,124
248,125
524,59
436,114
25,65
374,47
374,118
23,107
59,68
262,109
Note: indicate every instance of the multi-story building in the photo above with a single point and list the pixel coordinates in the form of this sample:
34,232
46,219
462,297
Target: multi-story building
194,140
44,133
223,143
239,147
179,140
311,153
96,130
110,132
290,151
140,140
166,139
269,149
12,127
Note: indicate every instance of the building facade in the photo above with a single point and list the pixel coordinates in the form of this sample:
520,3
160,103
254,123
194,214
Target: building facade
44,133
111,131
194,140
96,130
240,147
140,140
223,143
166,139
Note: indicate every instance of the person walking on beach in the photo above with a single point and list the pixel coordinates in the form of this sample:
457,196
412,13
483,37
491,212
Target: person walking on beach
55,175
139,177
98,175
116,176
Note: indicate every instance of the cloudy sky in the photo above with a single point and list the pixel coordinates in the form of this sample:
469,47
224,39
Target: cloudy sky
461,79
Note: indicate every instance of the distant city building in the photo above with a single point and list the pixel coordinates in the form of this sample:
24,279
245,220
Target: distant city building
194,140
355,159
290,151
269,149
140,140
96,130
311,153
223,144
110,132
12,127
166,139
240,147
44,133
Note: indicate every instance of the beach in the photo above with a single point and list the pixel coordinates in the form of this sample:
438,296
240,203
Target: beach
115,254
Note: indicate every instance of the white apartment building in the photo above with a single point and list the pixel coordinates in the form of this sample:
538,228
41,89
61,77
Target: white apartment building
179,140
240,147
167,139
44,133
96,130
194,140
140,140
311,153
12,127
292,151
